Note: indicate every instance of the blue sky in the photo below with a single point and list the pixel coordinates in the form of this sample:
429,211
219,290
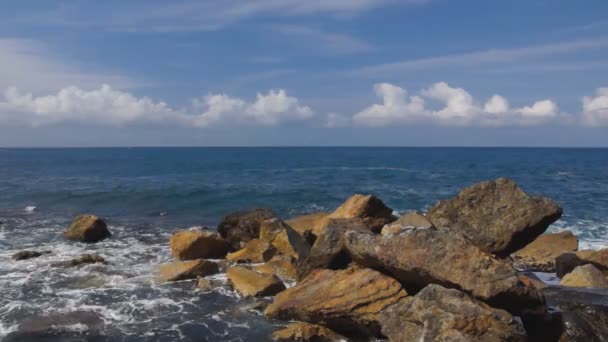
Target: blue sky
291,72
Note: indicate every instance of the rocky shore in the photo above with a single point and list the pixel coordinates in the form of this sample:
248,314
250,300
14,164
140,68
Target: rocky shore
464,271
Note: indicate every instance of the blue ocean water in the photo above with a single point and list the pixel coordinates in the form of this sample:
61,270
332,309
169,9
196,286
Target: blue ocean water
146,193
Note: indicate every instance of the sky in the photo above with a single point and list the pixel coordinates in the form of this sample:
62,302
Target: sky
304,73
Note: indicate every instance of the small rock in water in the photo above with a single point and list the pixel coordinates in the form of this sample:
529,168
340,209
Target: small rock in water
205,284
44,327
87,228
183,270
306,332
82,260
24,255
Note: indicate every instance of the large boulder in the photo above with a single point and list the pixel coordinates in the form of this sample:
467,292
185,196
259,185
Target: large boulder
308,224
254,251
346,301
405,222
496,215
242,226
250,283
198,244
421,257
369,208
566,262
440,314
306,332
540,255
183,270
87,228
585,276
284,238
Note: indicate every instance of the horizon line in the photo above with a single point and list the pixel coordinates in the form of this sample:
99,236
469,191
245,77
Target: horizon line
304,146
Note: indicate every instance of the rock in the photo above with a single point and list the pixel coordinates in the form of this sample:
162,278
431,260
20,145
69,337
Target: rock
540,255
407,221
51,325
441,256
528,278
307,224
566,262
281,265
585,276
306,332
87,228
24,255
370,209
496,215
440,314
82,260
254,251
250,283
284,238
329,250
182,270
346,301
198,244
206,285
240,227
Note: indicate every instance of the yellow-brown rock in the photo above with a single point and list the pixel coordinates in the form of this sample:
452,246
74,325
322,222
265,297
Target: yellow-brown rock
87,228
198,244
308,223
369,208
281,265
284,238
540,255
254,251
585,276
566,262
250,283
306,332
191,269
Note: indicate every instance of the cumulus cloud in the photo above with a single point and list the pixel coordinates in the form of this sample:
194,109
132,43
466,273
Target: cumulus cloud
595,108
114,107
459,109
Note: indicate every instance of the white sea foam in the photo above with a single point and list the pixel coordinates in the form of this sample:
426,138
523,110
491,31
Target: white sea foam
30,209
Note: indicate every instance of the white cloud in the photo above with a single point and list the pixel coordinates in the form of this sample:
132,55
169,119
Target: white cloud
595,108
459,109
108,106
332,42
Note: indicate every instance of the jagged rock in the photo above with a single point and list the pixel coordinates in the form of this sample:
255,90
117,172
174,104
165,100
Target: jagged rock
250,283
441,256
284,238
306,332
308,224
405,222
496,215
440,314
254,251
369,208
198,244
540,255
24,255
566,262
242,226
585,276
82,260
281,265
87,228
346,301
182,270
329,250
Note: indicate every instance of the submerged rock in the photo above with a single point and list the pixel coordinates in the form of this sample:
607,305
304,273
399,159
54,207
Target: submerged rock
496,215
82,260
87,228
205,284
191,269
306,332
440,314
540,255
585,276
284,238
566,262
242,226
24,255
198,244
254,251
250,283
346,301
50,324
405,222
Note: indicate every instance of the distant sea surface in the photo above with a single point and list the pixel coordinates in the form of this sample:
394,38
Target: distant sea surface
147,193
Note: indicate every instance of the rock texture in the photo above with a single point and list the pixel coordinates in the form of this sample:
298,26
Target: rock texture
585,276
566,262
24,255
191,269
284,238
254,251
440,314
198,244
250,283
405,222
346,301
496,215
240,227
441,256
540,255
311,223
369,208
306,332
87,228
281,265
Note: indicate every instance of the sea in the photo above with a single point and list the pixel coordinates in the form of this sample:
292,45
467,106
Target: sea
145,194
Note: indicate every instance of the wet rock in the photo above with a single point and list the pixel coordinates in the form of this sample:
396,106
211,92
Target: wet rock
198,244
441,256
405,222
250,283
240,227
306,332
309,224
206,285
24,255
528,278
440,314
41,327
281,265
540,255
87,228
284,238
191,269
254,251
566,262
585,276
346,301
496,215
82,260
